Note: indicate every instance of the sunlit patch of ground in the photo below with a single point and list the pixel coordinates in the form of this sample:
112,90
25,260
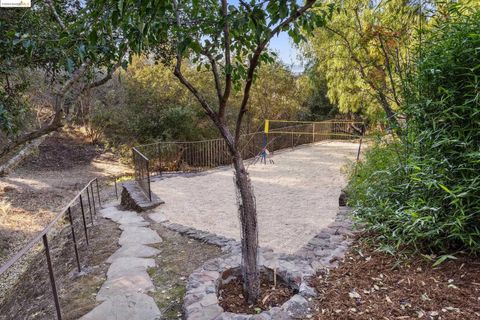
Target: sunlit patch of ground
296,196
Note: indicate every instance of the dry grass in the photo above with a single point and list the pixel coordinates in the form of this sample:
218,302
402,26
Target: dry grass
39,188
18,226
18,220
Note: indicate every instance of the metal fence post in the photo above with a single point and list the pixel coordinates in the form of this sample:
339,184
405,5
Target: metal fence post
83,218
116,191
148,180
98,193
52,277
313,132
89,205
93,199
69,211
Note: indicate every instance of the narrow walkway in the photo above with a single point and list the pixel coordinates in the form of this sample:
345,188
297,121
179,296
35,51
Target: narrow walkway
123,295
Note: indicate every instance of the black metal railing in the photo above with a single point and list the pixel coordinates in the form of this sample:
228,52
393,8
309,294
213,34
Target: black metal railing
80,214
142,171
159,157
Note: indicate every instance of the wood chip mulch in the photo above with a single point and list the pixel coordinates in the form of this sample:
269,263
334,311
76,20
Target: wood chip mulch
233,300
374,285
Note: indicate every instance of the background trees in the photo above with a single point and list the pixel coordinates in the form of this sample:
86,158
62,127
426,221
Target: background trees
364,53
422,190
53,39
146,103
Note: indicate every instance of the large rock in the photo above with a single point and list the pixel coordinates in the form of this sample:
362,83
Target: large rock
133,306
139,235
297,307
133,251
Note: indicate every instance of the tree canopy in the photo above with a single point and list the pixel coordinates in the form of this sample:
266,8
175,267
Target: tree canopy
364,52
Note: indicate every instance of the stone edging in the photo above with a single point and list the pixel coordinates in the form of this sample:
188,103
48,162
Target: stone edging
321,252
201,301
226,244
330,244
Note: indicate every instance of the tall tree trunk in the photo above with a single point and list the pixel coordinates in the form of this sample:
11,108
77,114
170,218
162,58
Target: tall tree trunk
248,221
391,118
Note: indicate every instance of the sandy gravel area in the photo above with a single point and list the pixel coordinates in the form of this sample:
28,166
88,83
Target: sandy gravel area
296,196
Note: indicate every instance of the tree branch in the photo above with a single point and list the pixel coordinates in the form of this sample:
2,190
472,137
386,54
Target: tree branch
381,97
55,14
53,125
103,80
389,69
178,73
228,63
254,63
216,75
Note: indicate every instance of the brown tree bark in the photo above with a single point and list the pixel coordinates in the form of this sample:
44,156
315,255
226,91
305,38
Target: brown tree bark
54,125
247,208
248,221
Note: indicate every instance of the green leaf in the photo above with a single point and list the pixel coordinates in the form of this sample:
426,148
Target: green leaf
445,189
442,259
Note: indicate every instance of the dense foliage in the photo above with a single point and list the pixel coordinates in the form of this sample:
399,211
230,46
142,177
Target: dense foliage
53,47
45,46
147,103
423,188
364,53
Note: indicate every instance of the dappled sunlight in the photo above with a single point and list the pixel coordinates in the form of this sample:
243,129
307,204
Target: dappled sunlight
17,227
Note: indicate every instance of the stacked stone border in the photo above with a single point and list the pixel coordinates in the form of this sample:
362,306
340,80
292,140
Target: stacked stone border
323,251
328,247
133,198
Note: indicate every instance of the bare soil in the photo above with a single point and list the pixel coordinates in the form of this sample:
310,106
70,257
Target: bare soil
31,297
29,198
45,182
271,295
374,285
179,257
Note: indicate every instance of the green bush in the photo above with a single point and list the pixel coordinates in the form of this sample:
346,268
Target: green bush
423,190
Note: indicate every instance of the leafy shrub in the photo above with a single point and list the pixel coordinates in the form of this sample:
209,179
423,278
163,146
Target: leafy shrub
423,190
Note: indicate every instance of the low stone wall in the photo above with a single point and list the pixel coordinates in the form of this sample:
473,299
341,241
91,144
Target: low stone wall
133,198
323,251
201,298
330,244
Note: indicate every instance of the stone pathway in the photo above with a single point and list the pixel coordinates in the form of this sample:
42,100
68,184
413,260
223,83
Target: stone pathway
123,296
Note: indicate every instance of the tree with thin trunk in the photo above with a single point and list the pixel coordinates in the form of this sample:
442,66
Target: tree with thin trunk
365,53
230,41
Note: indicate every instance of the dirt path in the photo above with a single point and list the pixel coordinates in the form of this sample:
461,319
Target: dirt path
35,191
39,188
296,196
